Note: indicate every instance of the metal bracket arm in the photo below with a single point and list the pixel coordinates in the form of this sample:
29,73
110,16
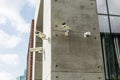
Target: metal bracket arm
66,29
37,49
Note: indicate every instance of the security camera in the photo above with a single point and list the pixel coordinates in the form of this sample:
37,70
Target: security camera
40,34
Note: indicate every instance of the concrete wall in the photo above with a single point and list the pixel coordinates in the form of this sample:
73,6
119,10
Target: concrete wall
72,57
38,42
38,66
46,43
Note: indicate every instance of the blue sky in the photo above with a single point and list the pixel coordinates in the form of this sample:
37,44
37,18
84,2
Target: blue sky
15,20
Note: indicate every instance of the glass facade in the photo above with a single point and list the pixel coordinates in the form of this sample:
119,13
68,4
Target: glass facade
109,22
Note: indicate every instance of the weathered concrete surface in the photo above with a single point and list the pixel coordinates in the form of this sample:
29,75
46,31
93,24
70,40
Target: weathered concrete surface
38,42
72,57
76,53
38,66
76,76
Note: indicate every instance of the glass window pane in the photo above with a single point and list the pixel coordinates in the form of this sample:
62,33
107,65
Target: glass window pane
114,6
103,24
108,51
115,24
101,6
117,49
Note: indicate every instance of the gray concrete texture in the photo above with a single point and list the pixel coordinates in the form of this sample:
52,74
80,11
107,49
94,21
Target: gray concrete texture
38,60
73,57
38,66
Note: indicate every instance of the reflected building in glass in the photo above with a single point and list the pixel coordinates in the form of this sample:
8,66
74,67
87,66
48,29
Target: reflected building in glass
109,22
23,77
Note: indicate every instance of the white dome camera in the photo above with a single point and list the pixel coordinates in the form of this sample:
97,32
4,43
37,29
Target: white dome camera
87,34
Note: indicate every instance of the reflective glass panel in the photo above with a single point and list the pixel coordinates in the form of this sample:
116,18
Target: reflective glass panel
115,24
109,59
114,6
117,48
101,6
103,24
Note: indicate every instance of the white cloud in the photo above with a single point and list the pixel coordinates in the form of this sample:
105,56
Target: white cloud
6,76
11,10
9,59
32,3
2,20
8,41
